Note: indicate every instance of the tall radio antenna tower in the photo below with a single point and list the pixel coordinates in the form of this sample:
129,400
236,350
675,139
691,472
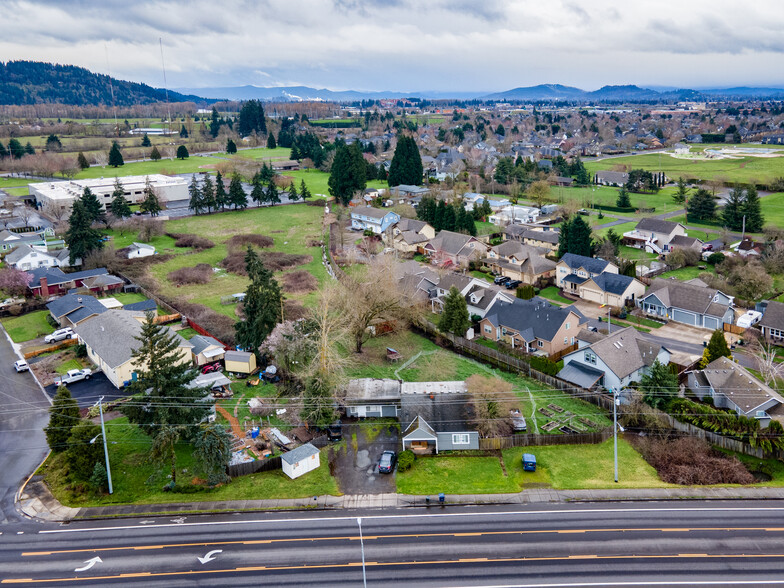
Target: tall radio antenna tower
165,87
111,90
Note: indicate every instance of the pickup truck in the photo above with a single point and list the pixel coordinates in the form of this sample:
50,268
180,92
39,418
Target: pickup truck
73,376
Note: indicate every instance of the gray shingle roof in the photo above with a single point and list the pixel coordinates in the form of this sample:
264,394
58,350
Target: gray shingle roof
677,294
773,316
738,385
541,317
111,335
580,375
613,283
300,453
444,412
656,225
452,243
369,212
202,342
143,305
625,351
589,264
76,307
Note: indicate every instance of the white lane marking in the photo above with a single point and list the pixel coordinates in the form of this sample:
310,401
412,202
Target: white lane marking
210,556
422,516
88,564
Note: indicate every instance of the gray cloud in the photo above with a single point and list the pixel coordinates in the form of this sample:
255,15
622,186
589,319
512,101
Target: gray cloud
405,44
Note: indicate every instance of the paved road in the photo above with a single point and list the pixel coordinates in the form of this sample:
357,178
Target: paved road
24,411
537,545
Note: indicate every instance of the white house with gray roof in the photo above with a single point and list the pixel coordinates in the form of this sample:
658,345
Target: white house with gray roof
655,235
110,339
613,362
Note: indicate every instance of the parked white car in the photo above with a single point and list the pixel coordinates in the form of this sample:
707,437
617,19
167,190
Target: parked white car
21,366
60,335
73,376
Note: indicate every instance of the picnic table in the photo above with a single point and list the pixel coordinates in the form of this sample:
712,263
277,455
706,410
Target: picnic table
393,354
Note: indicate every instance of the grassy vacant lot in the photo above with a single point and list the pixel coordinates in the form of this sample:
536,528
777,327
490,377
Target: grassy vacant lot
743,169
618,229
317,181
568,467
260,153
563,467
436,364
136,480
291,227
141,168
28,326
688,273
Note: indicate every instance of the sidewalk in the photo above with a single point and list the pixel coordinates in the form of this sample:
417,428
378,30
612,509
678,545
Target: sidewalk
38,503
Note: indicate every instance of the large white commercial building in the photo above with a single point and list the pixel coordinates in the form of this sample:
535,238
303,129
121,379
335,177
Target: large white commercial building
61,195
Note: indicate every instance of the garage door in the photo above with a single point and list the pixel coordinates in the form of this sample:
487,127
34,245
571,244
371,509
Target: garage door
711,322
592,295
684,317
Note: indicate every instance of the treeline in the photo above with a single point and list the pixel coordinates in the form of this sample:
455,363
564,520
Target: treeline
34,82
448,217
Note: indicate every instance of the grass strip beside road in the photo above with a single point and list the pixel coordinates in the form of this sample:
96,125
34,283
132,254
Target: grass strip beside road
27,326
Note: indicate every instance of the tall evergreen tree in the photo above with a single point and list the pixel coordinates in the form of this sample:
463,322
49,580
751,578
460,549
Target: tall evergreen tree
81,238
563,238
293,195
347,175
578,237
155,155
701,206
196,204
623,200
161,394
257,192
454,317
146,141
182,152
92,207
119,206
752,211
731,216
271,194
81,160
659,385
208,193
252,118
183,132
150,203
15,148
406,166
439,216
29,149
304,193
262,306
449,222
271,143
717,347
231,147
221,197
212,451
115,156
63,416
237,196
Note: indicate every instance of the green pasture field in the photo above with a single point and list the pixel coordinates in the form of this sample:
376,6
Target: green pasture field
142,168
317,181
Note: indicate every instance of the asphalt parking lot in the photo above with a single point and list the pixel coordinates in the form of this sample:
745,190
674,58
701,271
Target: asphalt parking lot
87,392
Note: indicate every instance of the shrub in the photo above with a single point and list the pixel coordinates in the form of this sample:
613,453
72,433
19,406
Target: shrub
544,365
218,325
278,261
405,460
81,350
199,274
715,258
242,241
316,202
299,281
52,322
188,240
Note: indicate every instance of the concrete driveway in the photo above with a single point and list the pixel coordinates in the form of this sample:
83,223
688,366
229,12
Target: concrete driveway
87,392
356,466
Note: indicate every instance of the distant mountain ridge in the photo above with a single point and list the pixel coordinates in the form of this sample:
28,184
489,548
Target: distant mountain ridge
36,82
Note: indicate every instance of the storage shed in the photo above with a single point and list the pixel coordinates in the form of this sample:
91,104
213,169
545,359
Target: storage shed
240,362
206,349
301,460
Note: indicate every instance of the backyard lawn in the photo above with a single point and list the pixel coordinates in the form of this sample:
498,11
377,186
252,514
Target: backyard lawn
28,326
136,480
456,475
688,273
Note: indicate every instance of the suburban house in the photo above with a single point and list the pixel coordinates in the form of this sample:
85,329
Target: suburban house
408,191
72,309
372,397
684,242
480,298
514,214
573,270
136,250
409,234
536,326
611,289
611,178
365,218
543,239
520,262
24,257
206,349
733,387
10,240
110,339
479,294
47,282
299,461
690,304
772,323
449,248
654,235
435,416
613,362
417,281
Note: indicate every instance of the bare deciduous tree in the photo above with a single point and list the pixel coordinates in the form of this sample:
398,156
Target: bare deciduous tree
491,400
25,213
765,355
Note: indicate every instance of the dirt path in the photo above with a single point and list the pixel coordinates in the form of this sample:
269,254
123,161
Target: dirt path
238,431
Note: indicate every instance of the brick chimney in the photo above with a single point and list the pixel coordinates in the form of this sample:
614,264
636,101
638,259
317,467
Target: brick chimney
44,288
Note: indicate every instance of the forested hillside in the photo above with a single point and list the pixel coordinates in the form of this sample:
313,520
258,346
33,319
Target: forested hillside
35,82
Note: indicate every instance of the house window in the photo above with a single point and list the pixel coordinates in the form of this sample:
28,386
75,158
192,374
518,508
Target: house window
566,340
590,357
540,343
460,439
488,329
567,326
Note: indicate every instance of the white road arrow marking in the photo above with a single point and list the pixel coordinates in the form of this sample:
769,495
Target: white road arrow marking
89,563
179,520
145,522
210,556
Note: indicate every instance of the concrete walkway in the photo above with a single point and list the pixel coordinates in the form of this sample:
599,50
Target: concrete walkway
38,503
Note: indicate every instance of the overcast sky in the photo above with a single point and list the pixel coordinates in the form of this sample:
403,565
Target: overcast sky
406,45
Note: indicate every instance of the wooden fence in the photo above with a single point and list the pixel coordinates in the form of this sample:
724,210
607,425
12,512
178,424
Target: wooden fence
159,301
559,354
734,329
526,440
55,347
253,467
202,331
